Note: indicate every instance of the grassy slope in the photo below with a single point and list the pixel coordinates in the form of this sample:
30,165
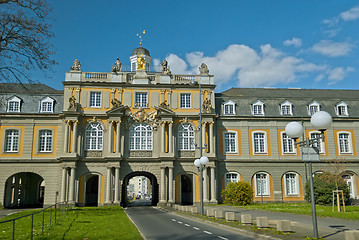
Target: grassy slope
79,223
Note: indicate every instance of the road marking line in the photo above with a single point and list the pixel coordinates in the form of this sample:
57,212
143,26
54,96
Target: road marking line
174,220
223,238
187,225
207,232
179,222
196,228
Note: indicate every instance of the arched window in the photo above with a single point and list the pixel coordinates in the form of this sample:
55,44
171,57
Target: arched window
141,137
94,137
186,137
232,177
262,184
291,183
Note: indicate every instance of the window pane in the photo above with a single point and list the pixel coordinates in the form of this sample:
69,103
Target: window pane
259,143
185,100
186,137
287,143
45,141
12,141
141,137
141,100
94,137
95,99
344,143
291,183
262,184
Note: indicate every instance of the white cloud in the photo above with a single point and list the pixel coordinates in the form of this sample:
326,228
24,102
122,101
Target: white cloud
350,15
296,42
268,67
333,49
337,74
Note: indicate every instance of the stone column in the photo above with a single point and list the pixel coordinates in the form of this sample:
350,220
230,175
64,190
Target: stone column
63,186
211,140
170,184
170,138
163,137
117,179
66,137
118,136
110,136
213,186
72,186
74,137
108,186
204,135
163,200
205,185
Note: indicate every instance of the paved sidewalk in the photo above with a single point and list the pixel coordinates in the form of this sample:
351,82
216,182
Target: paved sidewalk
328,227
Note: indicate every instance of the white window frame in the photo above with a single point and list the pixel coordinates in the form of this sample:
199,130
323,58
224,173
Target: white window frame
94,137
231,142
321,143
258,108
49,105
12,140
295,191
349,179
141,137
287,143
286,108
264,182
232,177
312,106
264,149
13,104
346,141
185,100
229,105
186,137
344,112
141,99
95,99
45,140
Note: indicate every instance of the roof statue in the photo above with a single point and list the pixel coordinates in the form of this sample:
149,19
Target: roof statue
206,106
203,69
76,66
141,62
117,67
72,103
116,103
165,69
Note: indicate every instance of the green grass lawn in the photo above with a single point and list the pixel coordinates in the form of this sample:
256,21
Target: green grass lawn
79,223
352,212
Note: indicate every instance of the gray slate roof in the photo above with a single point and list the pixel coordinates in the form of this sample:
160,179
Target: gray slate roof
300,98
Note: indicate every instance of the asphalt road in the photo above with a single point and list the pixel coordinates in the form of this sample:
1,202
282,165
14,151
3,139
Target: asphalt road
155,224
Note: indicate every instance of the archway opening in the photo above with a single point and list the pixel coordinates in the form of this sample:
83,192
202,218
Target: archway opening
140,186
92,185
186,189
24,190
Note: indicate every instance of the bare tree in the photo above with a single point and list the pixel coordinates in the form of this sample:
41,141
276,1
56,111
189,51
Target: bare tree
25,35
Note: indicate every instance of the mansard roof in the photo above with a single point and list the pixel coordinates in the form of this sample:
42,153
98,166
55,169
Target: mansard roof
300,98
27,88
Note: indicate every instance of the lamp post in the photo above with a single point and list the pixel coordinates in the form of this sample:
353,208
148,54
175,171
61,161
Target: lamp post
203,160
322,121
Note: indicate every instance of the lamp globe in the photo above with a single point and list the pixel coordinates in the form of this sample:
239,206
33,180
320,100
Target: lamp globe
204,160
197,163
321,120
294,130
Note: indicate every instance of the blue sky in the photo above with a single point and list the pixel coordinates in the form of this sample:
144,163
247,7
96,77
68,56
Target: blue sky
285,44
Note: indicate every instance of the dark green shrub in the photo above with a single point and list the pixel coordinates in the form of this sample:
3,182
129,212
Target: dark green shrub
324,184
239,193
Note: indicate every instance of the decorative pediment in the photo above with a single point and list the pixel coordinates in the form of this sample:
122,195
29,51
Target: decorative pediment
141,116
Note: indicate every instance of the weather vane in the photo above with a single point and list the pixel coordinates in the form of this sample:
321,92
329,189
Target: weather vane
140,36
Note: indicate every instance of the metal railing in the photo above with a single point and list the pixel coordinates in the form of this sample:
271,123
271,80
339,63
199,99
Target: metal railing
58,210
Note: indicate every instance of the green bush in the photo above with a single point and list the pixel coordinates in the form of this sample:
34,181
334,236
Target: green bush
324,184
238,193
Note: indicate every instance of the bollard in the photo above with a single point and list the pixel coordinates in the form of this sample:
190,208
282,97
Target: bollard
194,210
262,222
218,214
230,216
246,219
210,212
351,235
284,226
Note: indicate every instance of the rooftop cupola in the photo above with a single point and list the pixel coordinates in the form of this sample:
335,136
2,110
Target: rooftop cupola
140,53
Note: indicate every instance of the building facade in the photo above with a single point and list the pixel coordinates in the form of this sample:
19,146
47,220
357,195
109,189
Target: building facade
82,145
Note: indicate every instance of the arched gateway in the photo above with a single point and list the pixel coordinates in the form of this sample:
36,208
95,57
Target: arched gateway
152,179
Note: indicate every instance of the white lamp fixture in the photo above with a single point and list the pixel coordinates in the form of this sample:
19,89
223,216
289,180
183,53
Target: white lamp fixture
321,120
197,163
204,160
294,130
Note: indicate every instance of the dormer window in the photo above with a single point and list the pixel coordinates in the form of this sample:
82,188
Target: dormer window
258,108
47,105
13,104
229,108
286,108
342,109
313,108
